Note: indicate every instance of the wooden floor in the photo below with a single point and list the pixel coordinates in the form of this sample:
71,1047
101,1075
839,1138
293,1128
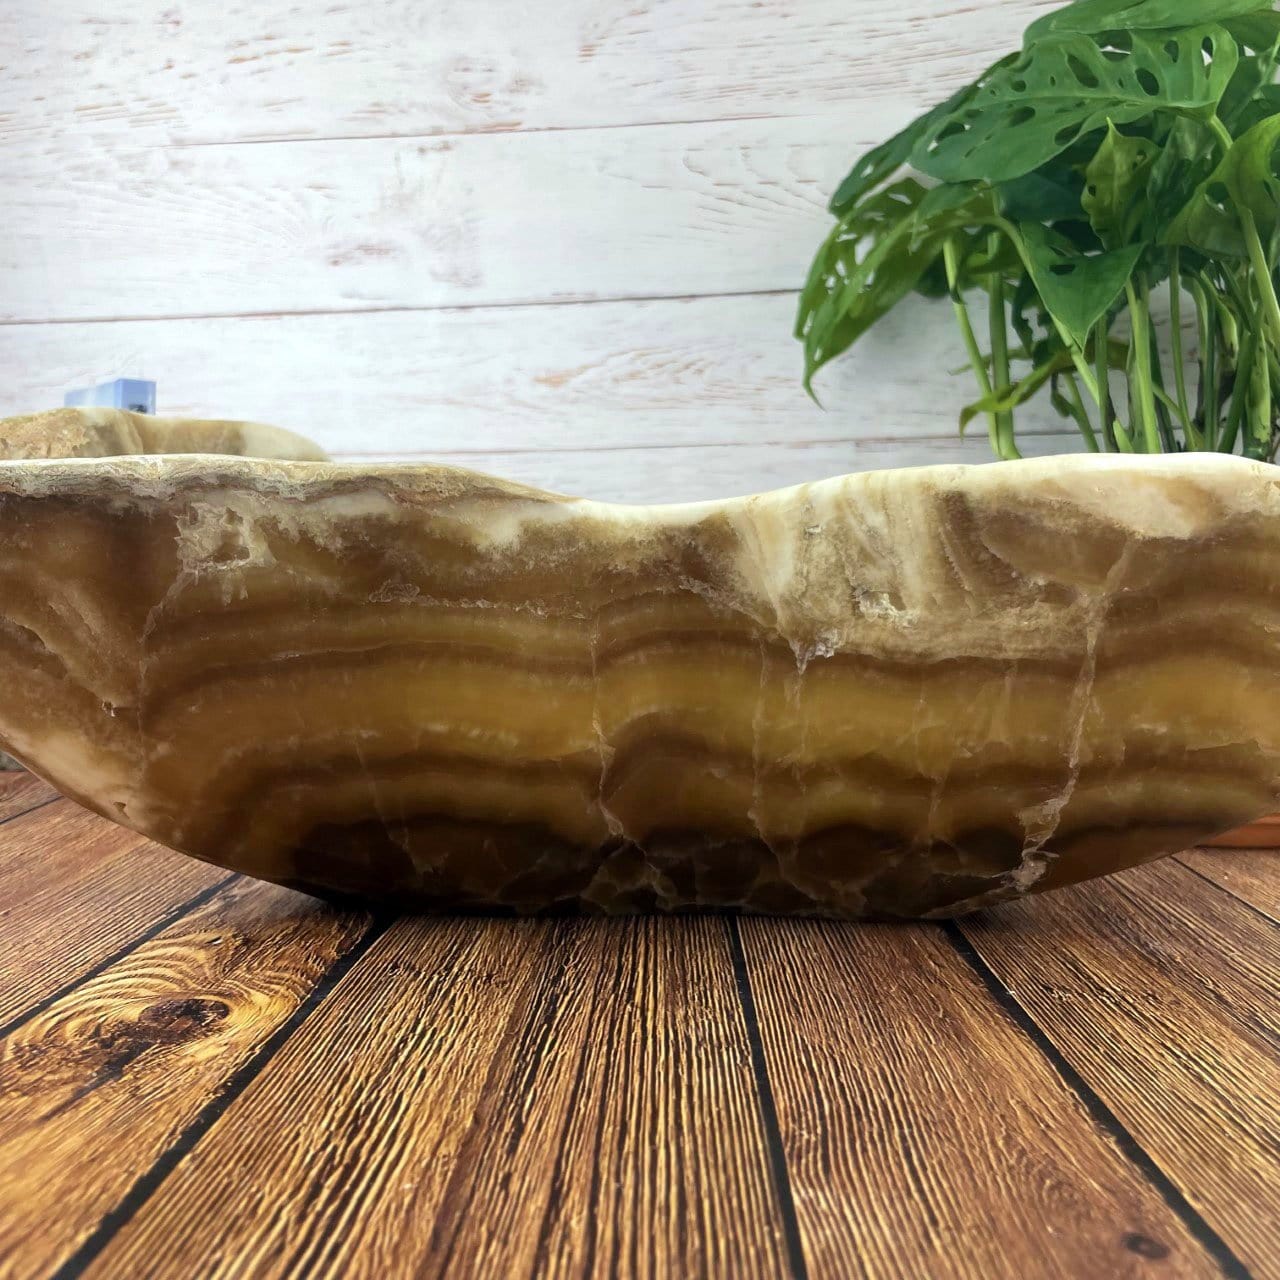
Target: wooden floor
203,1076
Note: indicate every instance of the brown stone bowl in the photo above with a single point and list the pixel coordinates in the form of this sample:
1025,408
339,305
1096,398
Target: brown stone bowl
904,694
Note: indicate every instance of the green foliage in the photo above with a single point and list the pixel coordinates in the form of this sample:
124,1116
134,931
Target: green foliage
1077,289
1097,17
1027,112
1130,145
1113,186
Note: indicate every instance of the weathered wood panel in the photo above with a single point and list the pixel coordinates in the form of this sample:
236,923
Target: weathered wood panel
345,225
721,471
485,1099
80,917
164,70
580,398
925,1134
20,793
1162,991
54,843
98,1088
1252,875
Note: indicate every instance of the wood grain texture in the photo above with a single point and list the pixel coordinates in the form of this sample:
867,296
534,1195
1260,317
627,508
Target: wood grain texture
95,905
344,225
1251,875
20,793
1162,991
99,1086
925,1135
480,1098
698,371
702,472
671,400
467,157
173,70
51,845
565,1099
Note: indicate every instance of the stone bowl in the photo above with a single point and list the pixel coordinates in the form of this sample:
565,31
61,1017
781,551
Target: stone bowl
904,694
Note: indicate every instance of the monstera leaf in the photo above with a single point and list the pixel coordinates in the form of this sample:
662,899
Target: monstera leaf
879,254
1024,113
1258,38
1077,290
1121,166
884,161
1092,17
1114,180
1245,180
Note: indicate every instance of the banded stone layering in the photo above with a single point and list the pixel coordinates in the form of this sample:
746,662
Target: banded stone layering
898,694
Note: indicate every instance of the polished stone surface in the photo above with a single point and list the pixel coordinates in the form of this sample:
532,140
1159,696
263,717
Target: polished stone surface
903,693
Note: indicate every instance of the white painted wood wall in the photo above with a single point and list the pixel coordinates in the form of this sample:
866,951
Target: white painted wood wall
558,240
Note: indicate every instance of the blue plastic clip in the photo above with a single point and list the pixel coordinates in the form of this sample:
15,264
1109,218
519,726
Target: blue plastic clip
124,393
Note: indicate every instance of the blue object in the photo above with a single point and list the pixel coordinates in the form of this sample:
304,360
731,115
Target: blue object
124,393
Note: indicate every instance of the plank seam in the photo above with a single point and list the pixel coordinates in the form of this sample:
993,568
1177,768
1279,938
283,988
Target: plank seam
640,446
768,1106
115,957
1101,1114
148,1183
1230,892
499,131
35,808
603,300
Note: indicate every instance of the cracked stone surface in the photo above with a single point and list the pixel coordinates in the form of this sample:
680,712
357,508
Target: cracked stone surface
900,694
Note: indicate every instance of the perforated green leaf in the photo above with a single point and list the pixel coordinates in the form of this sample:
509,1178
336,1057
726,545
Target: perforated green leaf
882,162
1187,157
1092,16
1113,183
1246,178
1249,170
1027,112
1077,290
899,234
1004,399
1050,194
1258,38
877,217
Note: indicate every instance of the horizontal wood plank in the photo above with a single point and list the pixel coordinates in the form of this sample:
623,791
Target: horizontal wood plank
704,371
164,70
484,1098
723,471
586,399
20,793
674,210
46,848
98,1087
1161,991
77,919
925,1134
1252,875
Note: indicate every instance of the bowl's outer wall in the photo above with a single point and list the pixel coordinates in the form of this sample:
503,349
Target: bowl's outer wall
902,694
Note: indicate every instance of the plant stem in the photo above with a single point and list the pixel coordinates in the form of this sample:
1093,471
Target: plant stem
1102,368
1005,447
1080,413
1145,397
1179,361
1257,442
1262,273
1166,407
951,261
1208,394
1240,394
